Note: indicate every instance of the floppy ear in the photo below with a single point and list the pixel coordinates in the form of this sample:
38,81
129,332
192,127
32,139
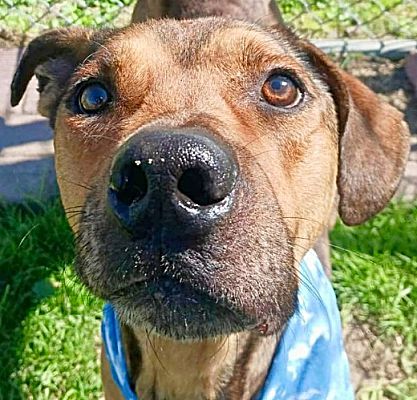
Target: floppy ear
52,57
373,142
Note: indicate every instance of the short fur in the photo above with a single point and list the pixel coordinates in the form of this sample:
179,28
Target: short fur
341,148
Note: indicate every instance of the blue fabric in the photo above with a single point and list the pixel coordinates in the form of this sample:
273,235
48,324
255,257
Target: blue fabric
310,362
113,346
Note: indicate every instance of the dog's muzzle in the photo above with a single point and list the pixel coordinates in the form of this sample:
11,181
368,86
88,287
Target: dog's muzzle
179,241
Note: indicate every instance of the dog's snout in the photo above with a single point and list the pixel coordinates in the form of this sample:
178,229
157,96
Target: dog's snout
172,180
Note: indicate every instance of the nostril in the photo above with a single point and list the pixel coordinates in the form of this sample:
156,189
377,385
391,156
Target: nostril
198,187
132,184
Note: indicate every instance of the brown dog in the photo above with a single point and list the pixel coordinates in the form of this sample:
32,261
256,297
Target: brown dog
205,157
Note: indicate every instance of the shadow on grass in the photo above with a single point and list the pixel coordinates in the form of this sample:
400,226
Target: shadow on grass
35,242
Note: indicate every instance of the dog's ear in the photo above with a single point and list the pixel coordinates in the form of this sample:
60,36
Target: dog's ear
373,142
52,57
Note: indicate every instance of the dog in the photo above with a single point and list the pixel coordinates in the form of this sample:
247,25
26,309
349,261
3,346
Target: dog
198,160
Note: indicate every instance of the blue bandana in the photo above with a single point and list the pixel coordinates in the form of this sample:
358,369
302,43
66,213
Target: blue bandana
310,362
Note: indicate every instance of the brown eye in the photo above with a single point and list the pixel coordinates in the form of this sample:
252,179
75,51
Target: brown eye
93,98
281,91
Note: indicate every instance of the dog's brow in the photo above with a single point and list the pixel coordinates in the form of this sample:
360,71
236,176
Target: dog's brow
186,41
251,43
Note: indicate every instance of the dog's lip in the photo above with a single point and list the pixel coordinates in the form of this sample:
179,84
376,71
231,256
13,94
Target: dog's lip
165,296
164,283
131,285
165,287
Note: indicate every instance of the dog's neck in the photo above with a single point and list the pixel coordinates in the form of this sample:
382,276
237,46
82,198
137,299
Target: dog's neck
234,367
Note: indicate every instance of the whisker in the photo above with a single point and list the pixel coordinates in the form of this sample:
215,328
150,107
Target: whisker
110,139
78,184
307,219
254,156
304,279
218,350
237,347
80,210
334,246
73,208
154,351
74,215
360,255
227,351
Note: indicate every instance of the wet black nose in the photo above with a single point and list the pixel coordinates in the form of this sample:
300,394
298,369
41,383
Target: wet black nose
172,182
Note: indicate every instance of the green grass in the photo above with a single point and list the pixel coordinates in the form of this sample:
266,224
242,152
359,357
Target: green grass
375,276
49,325
379,269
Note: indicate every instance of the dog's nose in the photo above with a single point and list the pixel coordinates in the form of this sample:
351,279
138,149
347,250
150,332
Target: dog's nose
172,182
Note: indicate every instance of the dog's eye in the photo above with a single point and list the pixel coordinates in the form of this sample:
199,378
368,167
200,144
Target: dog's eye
281,91
92,98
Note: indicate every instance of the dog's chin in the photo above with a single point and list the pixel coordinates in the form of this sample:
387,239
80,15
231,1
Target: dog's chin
176,310
184,299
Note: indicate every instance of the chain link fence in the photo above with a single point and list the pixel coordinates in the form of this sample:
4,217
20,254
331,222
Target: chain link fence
381,28
348,19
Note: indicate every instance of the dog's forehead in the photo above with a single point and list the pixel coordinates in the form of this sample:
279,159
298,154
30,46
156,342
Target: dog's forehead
205,41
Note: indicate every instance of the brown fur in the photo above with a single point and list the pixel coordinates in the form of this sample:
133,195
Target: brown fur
295,166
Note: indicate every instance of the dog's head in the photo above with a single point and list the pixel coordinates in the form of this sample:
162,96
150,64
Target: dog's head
198,160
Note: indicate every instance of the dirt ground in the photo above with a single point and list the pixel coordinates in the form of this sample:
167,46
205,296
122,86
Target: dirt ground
388,79
375,364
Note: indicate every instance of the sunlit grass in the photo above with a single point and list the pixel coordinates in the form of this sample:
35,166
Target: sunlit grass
49,325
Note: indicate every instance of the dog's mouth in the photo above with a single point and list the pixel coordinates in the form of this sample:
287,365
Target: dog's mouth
189,295
178,310
180,297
